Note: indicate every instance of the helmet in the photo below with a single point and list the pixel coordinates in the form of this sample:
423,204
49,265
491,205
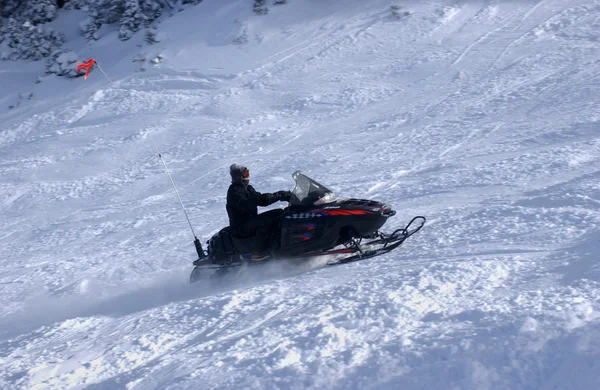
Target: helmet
239,174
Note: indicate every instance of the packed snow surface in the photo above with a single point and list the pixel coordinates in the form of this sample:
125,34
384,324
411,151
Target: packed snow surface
483,116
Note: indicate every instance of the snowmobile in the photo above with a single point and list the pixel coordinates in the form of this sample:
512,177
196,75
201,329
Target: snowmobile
317,222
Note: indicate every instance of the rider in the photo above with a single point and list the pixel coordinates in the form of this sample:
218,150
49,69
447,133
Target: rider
244,220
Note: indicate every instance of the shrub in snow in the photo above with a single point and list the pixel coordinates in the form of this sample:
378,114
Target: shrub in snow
150,35
260,8
62,63
241,38
194,2
279,2
396,13
22,96
157,60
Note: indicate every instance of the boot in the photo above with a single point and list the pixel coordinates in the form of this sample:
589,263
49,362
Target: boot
259,256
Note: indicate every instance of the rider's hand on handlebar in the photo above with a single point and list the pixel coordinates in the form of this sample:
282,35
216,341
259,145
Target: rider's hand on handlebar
283,195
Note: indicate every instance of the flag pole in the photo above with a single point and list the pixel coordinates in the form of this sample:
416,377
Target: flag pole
88,66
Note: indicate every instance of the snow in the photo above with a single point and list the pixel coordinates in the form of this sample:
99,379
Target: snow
482,116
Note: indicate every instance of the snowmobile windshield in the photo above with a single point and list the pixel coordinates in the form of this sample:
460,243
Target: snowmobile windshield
308,192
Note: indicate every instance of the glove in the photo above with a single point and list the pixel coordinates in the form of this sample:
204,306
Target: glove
283,196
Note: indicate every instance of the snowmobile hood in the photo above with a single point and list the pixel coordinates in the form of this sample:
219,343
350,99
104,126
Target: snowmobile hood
307,193
370,206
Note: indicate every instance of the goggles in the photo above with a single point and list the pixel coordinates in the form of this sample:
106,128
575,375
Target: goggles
246,174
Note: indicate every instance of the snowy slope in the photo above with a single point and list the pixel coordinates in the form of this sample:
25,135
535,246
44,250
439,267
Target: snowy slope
483,116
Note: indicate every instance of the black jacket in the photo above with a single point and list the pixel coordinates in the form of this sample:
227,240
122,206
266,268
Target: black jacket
242,203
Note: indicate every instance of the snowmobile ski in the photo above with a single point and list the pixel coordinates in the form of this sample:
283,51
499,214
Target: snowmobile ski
389,243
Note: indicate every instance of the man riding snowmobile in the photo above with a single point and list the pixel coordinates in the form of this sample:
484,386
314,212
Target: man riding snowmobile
317,223
244,220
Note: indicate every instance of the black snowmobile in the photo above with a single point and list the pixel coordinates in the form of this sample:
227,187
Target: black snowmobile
317,222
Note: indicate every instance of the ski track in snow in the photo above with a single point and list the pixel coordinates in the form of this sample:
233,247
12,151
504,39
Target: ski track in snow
483,116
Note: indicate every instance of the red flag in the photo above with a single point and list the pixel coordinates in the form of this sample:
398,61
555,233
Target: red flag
87,66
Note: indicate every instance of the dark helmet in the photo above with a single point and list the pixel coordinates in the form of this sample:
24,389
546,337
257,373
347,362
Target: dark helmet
239,174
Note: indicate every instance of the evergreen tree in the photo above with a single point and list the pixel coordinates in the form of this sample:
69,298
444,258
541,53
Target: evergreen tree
152,8
91,25
112,11
8,7
34,11
29,41
41,11
133,19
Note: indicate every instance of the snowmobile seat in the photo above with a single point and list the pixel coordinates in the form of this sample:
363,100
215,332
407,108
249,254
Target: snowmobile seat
224,247
234,244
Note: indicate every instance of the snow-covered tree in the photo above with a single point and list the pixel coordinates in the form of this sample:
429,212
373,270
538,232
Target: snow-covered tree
34,11
152,8
40,11
8,7
111,10
90,25
24,31
133,19
132,15
30,41
76,4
